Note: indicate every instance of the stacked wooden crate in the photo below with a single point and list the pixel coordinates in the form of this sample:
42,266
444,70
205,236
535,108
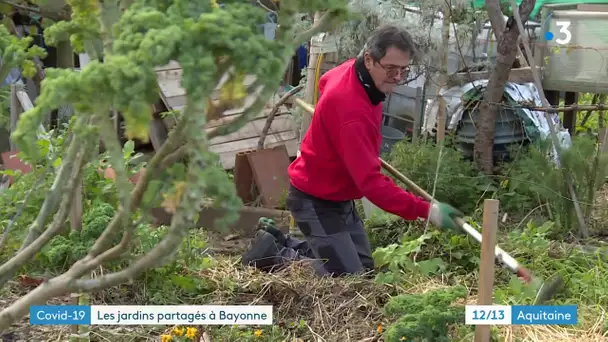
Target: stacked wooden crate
282,129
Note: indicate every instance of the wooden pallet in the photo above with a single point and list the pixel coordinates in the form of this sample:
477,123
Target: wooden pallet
282,129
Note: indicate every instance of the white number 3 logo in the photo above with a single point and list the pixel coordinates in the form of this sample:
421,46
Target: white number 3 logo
564,29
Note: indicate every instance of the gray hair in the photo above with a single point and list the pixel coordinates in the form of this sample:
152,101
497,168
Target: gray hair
387,36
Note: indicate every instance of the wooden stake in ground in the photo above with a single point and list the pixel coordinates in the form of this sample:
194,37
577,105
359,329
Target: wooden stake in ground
486,267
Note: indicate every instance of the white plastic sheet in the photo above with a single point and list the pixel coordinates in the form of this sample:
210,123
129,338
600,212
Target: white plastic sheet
518,92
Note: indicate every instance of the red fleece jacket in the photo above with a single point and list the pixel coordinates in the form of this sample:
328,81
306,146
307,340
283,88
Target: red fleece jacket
339,153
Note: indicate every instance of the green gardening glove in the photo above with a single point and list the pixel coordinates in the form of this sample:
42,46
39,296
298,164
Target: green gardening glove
442,215
264,223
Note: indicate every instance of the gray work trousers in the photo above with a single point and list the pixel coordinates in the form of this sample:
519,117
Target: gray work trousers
334,232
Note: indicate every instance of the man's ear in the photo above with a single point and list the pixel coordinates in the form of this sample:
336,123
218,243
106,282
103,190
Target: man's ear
367,59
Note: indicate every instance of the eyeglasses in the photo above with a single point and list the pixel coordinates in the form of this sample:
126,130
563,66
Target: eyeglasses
393,70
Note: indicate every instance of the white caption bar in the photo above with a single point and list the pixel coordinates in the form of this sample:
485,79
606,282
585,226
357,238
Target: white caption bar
487,315
181,314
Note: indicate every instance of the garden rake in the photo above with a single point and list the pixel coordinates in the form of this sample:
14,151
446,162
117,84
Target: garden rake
546,290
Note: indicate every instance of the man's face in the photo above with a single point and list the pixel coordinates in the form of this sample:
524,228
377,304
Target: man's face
390,70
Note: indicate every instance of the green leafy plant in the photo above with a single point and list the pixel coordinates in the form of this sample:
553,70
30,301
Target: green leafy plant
385,228
458,181
429,254
64,250
583,271
179,278
533,180
397,258
425,317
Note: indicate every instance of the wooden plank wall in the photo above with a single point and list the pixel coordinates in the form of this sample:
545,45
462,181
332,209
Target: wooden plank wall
281,131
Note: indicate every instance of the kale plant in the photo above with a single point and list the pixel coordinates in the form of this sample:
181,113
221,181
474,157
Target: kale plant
126,40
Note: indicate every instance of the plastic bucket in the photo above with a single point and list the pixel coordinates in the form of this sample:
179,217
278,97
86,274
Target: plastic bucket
390,136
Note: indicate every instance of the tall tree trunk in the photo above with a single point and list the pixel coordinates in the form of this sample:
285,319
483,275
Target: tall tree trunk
506,54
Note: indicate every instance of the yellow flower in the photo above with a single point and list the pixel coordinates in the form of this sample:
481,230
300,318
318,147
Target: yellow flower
379,328
191,333
258,333
178,331
165,338
402,338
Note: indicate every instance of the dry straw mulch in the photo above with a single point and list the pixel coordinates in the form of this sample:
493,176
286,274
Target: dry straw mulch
334,309
533,333
350,308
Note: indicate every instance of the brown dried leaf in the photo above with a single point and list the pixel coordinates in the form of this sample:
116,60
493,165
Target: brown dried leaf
172,200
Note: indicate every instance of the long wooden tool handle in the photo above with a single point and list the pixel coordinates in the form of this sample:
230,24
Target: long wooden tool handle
411,185
501,255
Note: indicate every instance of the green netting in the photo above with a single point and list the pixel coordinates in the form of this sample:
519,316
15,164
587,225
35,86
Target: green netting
540,3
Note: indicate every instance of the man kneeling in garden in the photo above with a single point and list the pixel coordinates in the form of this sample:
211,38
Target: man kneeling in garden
339,163
339,157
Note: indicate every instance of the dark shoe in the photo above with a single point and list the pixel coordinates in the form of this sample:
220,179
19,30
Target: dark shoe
271,227
263,251
281,238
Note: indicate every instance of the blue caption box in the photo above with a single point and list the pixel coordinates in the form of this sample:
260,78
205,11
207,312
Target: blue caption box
60,314
544,314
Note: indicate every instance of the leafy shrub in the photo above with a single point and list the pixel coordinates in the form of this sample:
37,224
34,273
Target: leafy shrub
168,284
385,228
64,250
534,179
458,181
179,278
430,254
425,317
27,192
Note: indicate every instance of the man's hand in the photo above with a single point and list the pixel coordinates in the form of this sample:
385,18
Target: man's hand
442,215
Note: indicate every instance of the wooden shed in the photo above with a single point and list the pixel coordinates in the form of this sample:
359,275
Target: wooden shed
173,96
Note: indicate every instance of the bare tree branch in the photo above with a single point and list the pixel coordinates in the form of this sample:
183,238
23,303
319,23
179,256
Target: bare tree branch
273,112
123,185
